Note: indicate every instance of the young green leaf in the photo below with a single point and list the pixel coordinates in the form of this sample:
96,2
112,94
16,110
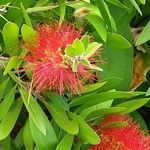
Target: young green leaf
75,66
85,62
85,40
78,46
96,68
10,34
65,143
70,51
91,49
10,119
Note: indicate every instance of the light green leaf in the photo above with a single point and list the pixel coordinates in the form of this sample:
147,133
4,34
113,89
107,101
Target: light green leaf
26,17
43,142
104,10
12,63
34,110
75,66
7,102
96,98
144,35
58,114
117,3
28,33
66,142
62,7
10,34
85,40
99,24
91,49
27,136
86,132
10,119
116,41
93,87
78,46
70,51
96,68
85,62
136,6
94,114
132,105
143,2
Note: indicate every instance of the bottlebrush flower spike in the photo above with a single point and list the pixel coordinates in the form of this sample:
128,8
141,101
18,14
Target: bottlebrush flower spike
54,65
129,137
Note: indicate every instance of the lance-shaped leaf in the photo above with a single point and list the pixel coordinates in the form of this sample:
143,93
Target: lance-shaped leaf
85,40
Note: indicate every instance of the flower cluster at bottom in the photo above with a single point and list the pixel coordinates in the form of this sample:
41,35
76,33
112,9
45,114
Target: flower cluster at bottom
130,137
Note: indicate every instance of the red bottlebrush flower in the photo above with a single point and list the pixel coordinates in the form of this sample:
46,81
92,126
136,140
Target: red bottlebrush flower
46,56
130,137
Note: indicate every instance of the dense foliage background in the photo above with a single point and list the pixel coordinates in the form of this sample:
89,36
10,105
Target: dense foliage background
49,120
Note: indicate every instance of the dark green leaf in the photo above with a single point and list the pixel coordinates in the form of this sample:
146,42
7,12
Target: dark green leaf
27,137
10,119
58,114
7,102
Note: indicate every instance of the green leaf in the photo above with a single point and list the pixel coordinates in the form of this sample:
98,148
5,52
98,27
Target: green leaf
28,33
7,102
66,142
58,114
62,7
6,143
93,87
133,105
94,114
117,3
143,2
70,51
34,110
10,34
86,132
10,119
144,35
91,49
27,136
43,142
136,6
3,86
104,10
96,68
12,63
78,46
85,40
99,24
26,17
86,62
115,41
75,66
96,98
